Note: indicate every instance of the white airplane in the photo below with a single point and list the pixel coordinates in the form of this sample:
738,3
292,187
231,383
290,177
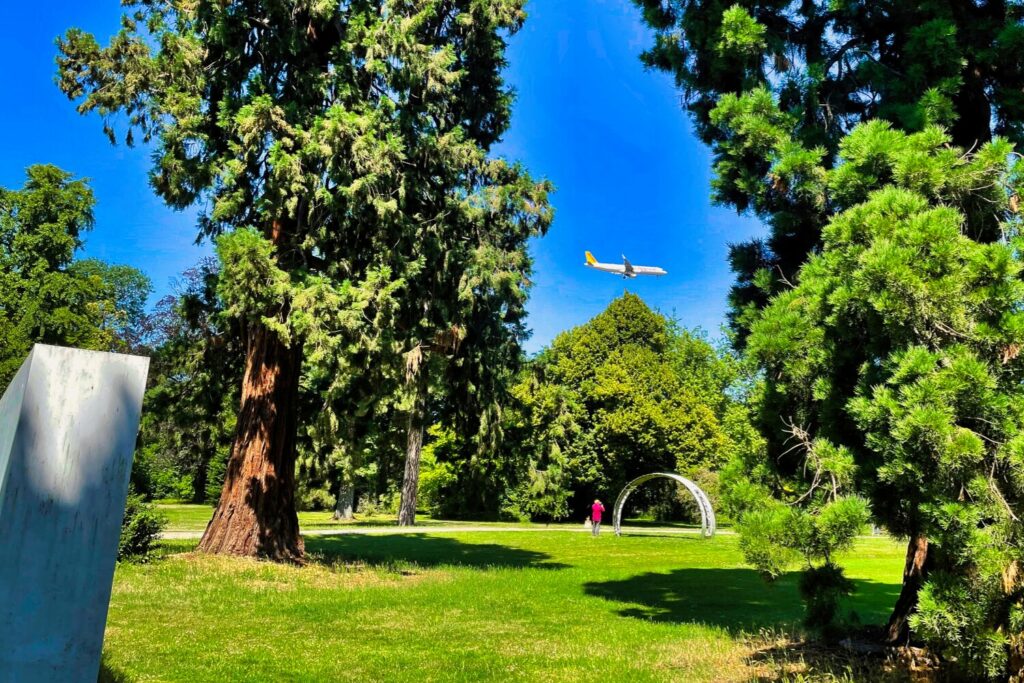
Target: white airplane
627,269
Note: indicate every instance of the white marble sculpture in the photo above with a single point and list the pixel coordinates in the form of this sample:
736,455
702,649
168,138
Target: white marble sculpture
68,425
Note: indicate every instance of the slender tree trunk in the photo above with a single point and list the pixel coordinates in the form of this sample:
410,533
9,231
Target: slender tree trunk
897,631
343,508
199,483
973,125
256,516
202,474
414,444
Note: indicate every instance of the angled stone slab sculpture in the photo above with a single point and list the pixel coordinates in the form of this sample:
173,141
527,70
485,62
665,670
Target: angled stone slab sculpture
68,424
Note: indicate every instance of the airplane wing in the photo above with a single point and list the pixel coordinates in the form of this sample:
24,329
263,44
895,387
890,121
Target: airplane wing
627,265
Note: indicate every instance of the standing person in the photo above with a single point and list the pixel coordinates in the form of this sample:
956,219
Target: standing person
595,515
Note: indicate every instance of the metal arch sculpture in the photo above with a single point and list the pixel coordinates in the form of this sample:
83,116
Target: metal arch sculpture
707,514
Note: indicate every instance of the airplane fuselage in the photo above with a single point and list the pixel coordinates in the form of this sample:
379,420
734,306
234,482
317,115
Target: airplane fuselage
626,269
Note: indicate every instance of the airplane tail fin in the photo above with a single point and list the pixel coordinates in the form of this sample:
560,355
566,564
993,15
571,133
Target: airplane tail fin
590,259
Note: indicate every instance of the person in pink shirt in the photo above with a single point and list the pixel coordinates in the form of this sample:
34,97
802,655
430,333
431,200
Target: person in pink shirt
595,516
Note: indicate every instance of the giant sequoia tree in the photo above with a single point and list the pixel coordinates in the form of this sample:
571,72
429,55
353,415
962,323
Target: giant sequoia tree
325,142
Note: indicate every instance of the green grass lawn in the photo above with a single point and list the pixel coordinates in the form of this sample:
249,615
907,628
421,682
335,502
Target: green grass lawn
547,606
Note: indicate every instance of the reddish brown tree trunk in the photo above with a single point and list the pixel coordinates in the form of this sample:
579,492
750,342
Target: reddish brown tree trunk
414,446
897,631
256,515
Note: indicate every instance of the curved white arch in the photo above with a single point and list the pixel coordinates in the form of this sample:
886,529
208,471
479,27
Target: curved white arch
707,514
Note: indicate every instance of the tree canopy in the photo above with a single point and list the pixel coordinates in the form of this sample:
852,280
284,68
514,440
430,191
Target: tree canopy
46,295
625,394
755,73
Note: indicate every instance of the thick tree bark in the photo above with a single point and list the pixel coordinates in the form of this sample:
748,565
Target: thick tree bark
414,444
915,570
343,508
256,516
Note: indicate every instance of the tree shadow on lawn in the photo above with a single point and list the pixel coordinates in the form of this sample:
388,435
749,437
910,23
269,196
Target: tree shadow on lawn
736,599
111,674
422,550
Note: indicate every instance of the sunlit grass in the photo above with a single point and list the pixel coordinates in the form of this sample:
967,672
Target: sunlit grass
464,607
193,517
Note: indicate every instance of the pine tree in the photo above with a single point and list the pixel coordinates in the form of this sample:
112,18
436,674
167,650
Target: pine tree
775,88
811,71
895,362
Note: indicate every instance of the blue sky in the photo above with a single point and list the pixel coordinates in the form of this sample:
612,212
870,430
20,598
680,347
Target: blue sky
630,176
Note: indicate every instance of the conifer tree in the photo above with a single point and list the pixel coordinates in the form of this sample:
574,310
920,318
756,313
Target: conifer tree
46,295
812,71
774,89
329,143
895,364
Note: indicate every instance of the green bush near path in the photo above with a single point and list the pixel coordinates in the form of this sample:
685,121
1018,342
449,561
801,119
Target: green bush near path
464,607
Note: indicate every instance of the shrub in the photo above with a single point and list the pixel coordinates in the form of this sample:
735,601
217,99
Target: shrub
140,528
314,499
385,504
824,589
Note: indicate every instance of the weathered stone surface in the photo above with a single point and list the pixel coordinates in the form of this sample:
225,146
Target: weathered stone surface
68,425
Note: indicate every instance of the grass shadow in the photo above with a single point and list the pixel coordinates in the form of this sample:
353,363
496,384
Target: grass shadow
779,659
737,599
423,550
111,674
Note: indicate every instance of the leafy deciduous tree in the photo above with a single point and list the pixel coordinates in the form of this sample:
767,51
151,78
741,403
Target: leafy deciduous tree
626,394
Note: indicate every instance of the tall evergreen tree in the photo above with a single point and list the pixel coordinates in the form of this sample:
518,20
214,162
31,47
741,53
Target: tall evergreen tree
814,70
467,323
327,141
896,363
774,88
46,296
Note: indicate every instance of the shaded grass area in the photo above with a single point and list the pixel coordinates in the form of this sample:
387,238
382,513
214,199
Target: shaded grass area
463,607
